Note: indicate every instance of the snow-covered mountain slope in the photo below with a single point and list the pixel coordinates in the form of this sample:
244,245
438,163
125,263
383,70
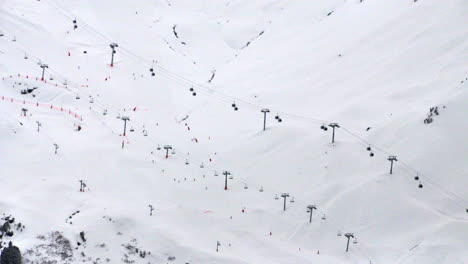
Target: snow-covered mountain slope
377,68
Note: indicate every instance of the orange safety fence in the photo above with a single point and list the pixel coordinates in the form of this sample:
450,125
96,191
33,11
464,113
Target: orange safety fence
37,104
47,106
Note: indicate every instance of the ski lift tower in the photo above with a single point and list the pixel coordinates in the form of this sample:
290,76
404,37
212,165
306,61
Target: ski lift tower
82,185
43,66
284,195
226,174
333,125
310,208
264,111
349,236
125,119
392,159
167,148
113,46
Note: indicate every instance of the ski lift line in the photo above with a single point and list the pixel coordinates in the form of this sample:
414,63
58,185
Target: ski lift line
174,75
244,180
210,92
145,62
430,185
442,191
24,50
231,98
432,180
181,78
303,204
277,111
440,188
239,101
71,83
365,142
404,164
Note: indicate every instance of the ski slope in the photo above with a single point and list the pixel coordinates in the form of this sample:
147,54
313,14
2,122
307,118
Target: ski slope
374,67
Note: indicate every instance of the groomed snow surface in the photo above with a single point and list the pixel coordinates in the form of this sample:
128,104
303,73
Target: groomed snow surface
375,67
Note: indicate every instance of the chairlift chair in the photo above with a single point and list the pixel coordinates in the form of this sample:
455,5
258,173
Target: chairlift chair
186,162
355,241
276,197
131,129
216,174
231,177
292,199
158,148
145,133
105,112
202,166
339,233
245,186
324,217
261,189
173,152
